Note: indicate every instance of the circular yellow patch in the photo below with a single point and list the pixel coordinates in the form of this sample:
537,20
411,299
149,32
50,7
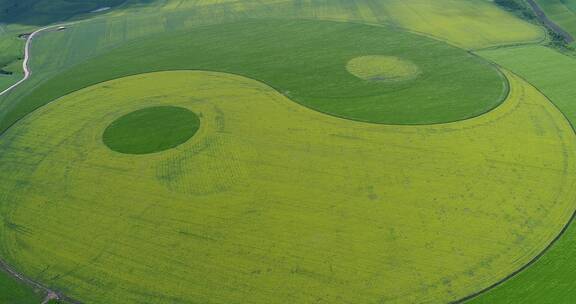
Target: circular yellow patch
382,68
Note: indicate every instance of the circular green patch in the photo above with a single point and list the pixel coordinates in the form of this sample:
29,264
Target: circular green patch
151,130
382,68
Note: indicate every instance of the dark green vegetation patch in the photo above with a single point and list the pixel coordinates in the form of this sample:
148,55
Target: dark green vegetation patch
306,60
151,130
41,12
13,292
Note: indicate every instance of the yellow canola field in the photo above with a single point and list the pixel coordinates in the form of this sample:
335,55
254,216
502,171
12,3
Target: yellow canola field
470,24
271,202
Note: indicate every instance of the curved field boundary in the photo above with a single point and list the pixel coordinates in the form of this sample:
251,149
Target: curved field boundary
50,294
560,223
61,296
537,257
15,274
174,60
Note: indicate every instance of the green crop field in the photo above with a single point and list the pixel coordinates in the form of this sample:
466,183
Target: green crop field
285,151
307,61
151,130
12,292
461,25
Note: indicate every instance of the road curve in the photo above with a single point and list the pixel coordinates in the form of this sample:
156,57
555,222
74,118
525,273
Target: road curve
25,66
50,294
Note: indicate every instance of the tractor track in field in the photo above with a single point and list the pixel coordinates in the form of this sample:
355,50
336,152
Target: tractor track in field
549,23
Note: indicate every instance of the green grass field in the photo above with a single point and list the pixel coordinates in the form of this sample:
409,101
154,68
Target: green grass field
11,49
284,151
462,25
151,130
12,292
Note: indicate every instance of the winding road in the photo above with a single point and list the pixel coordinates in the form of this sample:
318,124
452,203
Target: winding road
50,294
25,63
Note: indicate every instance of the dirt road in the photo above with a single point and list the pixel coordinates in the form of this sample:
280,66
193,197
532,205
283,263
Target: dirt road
25,63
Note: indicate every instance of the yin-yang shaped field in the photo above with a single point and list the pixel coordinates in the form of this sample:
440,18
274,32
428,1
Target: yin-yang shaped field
283,161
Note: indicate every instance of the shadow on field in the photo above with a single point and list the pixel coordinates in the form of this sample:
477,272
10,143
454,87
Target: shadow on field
44,12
